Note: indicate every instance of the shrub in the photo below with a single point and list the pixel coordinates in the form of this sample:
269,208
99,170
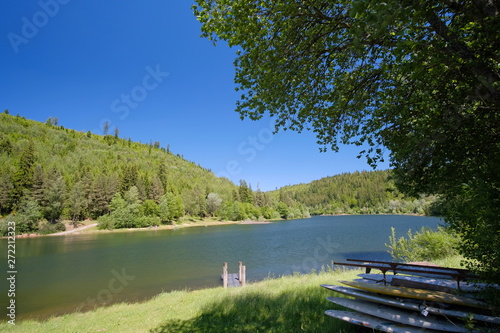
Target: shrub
424,245
3,228
106,222
46,227
147,221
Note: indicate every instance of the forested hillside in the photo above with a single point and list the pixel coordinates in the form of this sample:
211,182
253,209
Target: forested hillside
49,173
356,193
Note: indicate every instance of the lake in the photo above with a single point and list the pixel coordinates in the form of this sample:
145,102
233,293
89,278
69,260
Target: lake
71,273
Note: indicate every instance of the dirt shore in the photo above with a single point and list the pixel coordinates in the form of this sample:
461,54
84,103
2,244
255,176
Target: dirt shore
90,227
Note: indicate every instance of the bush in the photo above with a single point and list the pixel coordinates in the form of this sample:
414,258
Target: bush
3,228
126,217
267,212
148,221
50,228
250,211
283,210
128,212
424,245
232,211
106,222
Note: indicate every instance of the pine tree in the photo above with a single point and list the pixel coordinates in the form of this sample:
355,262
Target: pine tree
129,177
259,198
39,180
23,177
105,128
28,217
157,189
6,188
245,192
87,181
54,198
103,189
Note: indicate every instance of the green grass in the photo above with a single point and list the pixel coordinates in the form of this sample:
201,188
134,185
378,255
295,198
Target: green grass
286,304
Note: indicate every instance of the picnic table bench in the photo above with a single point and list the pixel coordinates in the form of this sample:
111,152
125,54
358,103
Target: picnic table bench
457,274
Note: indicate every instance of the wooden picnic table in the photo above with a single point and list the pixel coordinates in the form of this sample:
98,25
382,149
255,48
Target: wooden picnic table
457,274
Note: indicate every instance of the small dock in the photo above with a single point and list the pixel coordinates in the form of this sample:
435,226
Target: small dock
235,279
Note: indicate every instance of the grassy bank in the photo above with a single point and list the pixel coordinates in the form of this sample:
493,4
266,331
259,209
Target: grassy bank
287,304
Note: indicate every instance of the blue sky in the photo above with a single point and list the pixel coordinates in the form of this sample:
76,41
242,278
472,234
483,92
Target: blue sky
141,66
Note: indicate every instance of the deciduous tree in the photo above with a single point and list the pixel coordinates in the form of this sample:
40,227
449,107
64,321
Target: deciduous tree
420,78
76,202
213,203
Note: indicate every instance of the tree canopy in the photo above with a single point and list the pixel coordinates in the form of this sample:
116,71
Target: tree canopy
419,78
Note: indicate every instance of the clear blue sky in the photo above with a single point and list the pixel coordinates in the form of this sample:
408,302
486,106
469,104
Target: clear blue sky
141,66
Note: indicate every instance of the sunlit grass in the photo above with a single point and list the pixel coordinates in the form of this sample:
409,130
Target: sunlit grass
452,262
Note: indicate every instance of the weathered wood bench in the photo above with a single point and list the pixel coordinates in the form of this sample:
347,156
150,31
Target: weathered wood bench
457,274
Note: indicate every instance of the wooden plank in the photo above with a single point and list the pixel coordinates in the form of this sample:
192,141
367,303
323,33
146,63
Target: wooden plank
418,270
464,273
232,280
467,286
375,323
410,304
401,316
387,268
419,285
434,296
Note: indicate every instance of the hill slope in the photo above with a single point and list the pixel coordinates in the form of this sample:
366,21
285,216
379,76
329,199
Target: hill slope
75,175
368,192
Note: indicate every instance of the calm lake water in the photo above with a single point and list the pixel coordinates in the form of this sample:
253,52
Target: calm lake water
64,274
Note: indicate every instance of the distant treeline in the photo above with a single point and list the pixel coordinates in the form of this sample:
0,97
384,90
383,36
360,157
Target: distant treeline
49,173
368,192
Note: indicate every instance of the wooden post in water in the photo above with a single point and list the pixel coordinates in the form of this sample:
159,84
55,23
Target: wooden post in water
240,265
243,276
224,275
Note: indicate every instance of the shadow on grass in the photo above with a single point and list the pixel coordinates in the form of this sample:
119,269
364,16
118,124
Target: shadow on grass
300,311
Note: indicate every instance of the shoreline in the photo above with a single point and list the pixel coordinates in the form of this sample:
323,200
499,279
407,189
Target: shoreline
187,222
90,227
